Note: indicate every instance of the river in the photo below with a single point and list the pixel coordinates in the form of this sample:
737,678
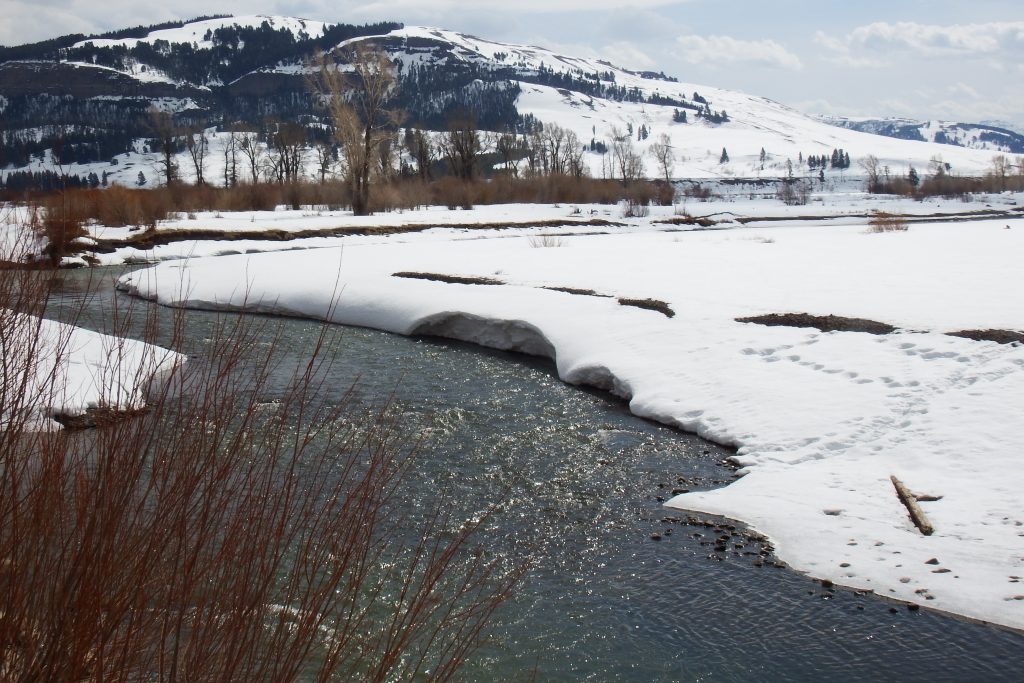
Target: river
622,588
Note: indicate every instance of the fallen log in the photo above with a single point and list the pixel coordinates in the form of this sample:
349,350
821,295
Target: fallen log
916,513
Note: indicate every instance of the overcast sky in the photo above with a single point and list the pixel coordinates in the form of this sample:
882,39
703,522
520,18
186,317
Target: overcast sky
950,59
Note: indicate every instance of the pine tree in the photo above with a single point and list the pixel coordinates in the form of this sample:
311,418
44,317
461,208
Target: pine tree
141,180
912,177
724,158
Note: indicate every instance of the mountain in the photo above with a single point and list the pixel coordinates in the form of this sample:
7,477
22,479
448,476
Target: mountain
82,102
987,136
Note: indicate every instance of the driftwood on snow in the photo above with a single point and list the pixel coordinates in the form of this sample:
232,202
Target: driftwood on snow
916,513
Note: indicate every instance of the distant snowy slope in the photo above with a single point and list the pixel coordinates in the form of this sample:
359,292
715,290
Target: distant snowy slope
244,69
198,32
986,136
754,123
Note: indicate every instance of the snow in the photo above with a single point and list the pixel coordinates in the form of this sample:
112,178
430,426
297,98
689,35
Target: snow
820,420
837,204
756,123
76,369
195,32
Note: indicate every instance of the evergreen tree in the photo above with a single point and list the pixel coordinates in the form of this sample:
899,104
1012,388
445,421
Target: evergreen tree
724,159
141,179
913,178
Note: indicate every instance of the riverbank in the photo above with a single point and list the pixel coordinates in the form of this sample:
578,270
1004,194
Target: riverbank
821,420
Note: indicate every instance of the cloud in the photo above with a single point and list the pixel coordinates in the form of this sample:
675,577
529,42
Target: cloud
695,49
928,39
627,55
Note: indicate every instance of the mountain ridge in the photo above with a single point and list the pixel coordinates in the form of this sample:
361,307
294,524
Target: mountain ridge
86,102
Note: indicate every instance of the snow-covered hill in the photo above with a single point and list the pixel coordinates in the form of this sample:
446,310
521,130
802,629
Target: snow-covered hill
986,136
199,33
203,71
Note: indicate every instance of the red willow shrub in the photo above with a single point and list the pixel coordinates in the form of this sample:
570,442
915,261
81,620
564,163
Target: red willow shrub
238,530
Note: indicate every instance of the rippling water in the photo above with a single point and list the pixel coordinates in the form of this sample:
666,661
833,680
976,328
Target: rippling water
577,479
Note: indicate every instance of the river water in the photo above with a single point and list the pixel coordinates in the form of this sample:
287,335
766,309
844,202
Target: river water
621,588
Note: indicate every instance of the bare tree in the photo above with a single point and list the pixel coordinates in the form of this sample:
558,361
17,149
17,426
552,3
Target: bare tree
249,146
554,149
166,132
358,106
661,150
423,150
1001,167
326,155
461,147
288,143
625,159
509,148
573,153
386,153
873,171
230,152
197,146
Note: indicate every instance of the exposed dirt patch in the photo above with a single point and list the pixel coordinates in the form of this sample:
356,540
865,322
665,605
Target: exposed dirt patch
154,238
450,279
649,305
825,323
578,291
998,336
688,220
981,214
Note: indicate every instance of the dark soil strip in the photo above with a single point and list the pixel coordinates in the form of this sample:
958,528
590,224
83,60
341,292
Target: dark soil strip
649,305
577,291
154,238
450,279
981,214
998,336
825,323
688,220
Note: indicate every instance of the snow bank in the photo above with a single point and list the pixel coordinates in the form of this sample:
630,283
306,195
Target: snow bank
72,370
820,421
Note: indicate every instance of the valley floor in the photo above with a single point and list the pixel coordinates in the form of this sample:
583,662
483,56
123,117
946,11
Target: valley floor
648,310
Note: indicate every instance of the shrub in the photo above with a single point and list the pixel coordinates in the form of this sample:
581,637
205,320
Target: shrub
222,535
887,222
545,241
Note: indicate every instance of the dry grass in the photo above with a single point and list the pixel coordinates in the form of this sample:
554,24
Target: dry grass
887,222
546,241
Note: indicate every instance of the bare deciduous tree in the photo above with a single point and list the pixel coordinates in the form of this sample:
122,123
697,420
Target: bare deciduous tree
509,148
872,171
423,150
230,152
461,147
252,150
197,146
167,133
626,160
288,143
661,151
358,105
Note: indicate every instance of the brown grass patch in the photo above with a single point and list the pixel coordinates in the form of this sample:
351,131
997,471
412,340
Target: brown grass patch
824,323
450,279
649,305
997,336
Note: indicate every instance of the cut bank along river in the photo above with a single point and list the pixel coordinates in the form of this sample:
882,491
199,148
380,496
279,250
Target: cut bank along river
621,588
